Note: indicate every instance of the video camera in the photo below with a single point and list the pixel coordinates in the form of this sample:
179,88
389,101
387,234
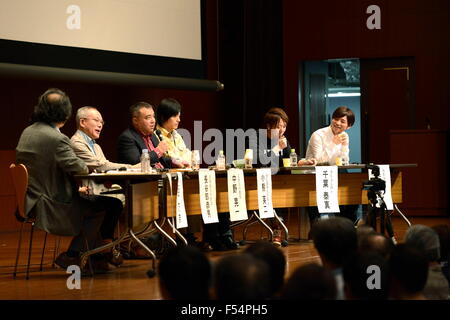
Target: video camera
374,184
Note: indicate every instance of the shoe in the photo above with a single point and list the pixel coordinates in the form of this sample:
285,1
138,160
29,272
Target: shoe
216,244
64,261
99,265
276,240
229,243
114,257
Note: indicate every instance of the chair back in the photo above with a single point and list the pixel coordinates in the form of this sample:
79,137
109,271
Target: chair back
19,174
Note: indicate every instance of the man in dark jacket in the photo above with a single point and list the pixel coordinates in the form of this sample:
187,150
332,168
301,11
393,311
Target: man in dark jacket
141,136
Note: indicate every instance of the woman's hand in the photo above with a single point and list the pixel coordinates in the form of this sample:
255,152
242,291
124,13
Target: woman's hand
307,162
282,142
341,139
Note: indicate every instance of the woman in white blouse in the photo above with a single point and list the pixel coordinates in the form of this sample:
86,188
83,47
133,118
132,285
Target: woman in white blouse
329,143
326,145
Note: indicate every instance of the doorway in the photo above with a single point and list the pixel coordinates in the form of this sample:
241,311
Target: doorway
329,84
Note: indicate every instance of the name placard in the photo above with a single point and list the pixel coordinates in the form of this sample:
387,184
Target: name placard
264,182
181,209
207,185
385,174
327,189
236,195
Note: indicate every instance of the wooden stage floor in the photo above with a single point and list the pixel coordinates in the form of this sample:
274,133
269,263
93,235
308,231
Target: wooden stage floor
129,282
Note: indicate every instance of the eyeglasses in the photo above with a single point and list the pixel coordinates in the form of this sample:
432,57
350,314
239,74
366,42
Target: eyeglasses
96,120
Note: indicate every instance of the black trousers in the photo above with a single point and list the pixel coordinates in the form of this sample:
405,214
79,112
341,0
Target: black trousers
100,217
214,230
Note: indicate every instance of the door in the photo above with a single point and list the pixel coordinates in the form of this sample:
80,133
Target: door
387,101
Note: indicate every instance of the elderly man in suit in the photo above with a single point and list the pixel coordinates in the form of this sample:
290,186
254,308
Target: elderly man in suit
90,124
140,136
52,195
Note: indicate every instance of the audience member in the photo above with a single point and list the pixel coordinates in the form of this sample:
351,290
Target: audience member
52,196
241,277
184,274
141,135
426,240
274,258
376,242
335,240
366,277
408,272
362,231
310,282
443,232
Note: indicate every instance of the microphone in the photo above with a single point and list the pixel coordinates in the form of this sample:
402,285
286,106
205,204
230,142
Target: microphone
159,135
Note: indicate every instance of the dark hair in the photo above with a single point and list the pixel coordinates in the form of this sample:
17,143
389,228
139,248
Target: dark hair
273,116
356,274
185,272
52,109
241,277
443,232
310,282
168,108
409,267
425,239
376,242
134,109
334,238
343,111
274,258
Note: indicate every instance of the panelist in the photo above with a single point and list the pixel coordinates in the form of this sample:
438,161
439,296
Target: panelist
328,144
90,124
275,122
52,195
276,149
141,135
217,235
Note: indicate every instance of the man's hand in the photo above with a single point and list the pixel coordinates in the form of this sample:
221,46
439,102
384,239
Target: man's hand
84,190
163,147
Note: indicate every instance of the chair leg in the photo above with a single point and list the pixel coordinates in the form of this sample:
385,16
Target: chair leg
43,251
56,251
29,251
18,250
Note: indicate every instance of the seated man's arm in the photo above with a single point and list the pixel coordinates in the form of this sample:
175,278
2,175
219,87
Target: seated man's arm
94,161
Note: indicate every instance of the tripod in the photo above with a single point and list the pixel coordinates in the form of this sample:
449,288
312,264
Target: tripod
377,208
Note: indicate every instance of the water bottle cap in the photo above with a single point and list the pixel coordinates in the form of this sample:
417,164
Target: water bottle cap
144,150
292,150
221,152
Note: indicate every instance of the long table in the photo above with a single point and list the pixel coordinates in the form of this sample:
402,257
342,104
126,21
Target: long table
149,199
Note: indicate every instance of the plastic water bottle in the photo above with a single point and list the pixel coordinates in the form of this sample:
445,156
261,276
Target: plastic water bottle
293,158
248,159
220,163
145,161
344,156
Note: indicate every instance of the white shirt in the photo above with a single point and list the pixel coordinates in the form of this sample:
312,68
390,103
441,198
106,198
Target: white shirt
322,148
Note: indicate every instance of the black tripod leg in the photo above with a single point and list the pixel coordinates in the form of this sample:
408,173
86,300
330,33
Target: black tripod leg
389,227
372,217
382,217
